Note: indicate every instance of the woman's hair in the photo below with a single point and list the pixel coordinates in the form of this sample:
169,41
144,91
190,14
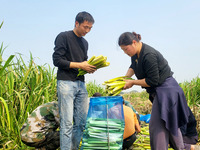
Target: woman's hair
127,38
84,16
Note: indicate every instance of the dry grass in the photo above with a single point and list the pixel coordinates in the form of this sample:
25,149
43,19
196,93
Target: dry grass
141,103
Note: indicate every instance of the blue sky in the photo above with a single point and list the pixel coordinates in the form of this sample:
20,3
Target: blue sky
172,27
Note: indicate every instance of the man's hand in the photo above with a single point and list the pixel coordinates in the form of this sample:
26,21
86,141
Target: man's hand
87,67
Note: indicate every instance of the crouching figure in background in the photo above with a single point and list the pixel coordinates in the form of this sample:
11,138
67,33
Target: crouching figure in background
132,127
41,127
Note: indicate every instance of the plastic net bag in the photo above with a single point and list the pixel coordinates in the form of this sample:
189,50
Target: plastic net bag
105,124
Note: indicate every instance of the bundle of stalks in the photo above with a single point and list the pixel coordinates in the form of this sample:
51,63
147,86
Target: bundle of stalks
99,62
115,86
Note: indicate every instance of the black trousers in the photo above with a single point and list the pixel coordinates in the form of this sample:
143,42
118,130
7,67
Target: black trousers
128,142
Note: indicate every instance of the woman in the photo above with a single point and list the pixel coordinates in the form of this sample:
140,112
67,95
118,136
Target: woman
169,110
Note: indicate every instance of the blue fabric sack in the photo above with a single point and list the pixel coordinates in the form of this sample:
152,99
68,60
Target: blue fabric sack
145,118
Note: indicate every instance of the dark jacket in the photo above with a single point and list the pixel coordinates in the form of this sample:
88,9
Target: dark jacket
69,48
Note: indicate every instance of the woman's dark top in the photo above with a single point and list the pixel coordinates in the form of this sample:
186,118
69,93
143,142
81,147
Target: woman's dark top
69,48
152,66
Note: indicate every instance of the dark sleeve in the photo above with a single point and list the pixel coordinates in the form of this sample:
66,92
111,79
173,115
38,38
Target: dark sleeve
131,66
60,49
151,69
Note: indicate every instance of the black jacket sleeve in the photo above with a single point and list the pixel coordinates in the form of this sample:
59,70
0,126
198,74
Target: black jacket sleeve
60,49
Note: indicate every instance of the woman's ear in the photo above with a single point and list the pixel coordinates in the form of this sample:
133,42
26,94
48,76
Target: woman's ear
134,41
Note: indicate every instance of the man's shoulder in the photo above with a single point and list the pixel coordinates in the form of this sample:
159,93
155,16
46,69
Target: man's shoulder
84,40
66,33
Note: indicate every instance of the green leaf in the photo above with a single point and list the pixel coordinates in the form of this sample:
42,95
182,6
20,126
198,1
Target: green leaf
6,64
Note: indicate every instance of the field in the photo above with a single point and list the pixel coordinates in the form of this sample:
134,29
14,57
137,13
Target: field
24,86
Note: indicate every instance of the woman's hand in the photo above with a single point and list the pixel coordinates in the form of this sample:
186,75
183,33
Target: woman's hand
128,84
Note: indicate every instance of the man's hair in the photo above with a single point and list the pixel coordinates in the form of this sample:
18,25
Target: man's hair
84,16
96,94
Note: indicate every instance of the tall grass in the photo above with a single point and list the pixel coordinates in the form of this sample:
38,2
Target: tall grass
92,87
192,93
22,89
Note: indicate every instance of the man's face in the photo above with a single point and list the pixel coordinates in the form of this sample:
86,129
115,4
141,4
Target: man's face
83,28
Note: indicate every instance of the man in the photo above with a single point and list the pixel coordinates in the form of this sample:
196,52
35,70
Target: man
70,54
132,127
40,128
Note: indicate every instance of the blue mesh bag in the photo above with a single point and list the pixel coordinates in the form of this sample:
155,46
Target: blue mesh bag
105,124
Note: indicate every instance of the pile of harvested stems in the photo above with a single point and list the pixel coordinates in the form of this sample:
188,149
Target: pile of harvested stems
102,133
